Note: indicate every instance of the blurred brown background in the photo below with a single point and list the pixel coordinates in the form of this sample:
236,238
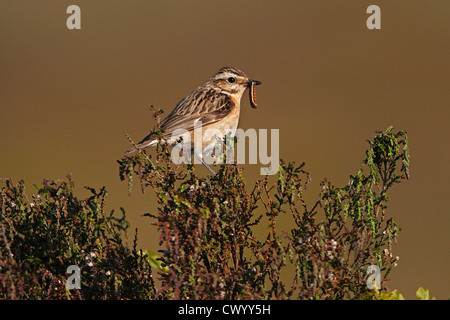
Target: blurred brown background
67,97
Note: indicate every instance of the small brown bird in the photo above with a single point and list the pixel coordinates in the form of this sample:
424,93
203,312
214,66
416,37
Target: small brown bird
216,104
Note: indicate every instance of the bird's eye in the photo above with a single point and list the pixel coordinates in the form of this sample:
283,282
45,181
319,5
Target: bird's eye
231,80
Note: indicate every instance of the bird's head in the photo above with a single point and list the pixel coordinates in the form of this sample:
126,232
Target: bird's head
232,81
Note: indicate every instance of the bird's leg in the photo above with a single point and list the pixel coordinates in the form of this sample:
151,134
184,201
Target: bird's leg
200,157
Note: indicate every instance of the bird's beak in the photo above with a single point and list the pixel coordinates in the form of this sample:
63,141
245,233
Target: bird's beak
256,82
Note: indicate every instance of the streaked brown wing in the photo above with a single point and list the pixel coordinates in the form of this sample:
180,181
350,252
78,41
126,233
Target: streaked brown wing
206,107
199,101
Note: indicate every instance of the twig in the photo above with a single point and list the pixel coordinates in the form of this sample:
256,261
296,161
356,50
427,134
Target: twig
143,153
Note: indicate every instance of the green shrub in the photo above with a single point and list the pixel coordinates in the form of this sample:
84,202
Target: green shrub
207,227
421,294
42,236
211,248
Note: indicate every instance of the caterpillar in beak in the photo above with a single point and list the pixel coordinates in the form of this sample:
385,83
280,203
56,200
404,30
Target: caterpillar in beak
252,94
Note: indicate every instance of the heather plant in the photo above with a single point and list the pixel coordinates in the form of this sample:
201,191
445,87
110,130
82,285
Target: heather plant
207,227
220,236
43,235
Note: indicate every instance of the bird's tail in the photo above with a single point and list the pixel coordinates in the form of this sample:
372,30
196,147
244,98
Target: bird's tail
130,151
148,141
